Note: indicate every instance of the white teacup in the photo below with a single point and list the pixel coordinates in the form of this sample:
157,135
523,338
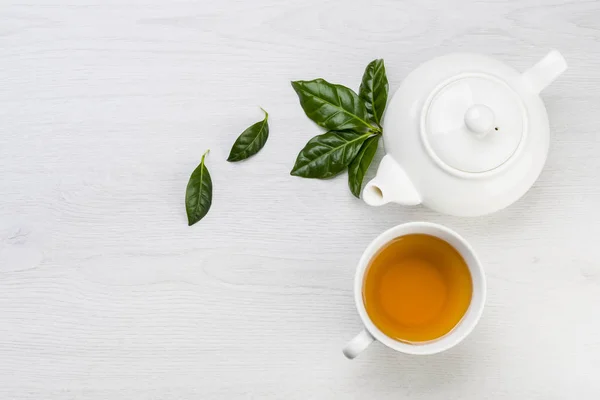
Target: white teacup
371,333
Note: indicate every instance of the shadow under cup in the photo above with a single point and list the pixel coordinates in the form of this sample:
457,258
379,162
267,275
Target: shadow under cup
459,331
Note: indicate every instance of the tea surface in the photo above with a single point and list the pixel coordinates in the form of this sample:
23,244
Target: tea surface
417,288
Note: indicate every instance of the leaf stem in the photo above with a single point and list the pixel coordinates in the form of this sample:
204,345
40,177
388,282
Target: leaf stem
266,113
204,156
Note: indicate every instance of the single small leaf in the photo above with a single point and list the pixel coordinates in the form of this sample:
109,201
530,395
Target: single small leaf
374,90
334,107
328,154
198,195
250,141
359,166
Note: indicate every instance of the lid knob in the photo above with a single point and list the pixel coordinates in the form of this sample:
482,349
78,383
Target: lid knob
480,119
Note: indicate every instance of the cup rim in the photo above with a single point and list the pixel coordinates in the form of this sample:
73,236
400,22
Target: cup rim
471,317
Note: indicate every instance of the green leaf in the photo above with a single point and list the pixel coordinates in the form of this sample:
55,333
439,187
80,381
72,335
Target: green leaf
198,195
334,107
359,166
328,154
374,90
250,141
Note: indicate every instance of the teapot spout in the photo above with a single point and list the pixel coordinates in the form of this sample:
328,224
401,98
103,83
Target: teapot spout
390,185
545,71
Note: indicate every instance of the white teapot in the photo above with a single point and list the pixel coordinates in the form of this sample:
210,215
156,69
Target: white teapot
465,135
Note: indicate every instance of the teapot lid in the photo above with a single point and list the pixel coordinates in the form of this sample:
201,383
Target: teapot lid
473,123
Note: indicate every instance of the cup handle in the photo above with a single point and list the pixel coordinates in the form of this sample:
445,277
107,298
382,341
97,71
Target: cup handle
358,344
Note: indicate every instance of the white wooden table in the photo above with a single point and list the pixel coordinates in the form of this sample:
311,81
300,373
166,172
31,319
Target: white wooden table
105,293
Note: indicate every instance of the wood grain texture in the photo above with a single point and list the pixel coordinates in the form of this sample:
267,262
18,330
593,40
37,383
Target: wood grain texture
107,106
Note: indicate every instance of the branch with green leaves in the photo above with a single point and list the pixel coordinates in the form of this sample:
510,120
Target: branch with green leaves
353,122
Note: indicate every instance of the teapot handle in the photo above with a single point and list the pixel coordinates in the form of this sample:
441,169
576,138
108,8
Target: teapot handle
545,71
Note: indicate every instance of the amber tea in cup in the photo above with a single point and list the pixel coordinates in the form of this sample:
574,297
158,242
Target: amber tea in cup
417,288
